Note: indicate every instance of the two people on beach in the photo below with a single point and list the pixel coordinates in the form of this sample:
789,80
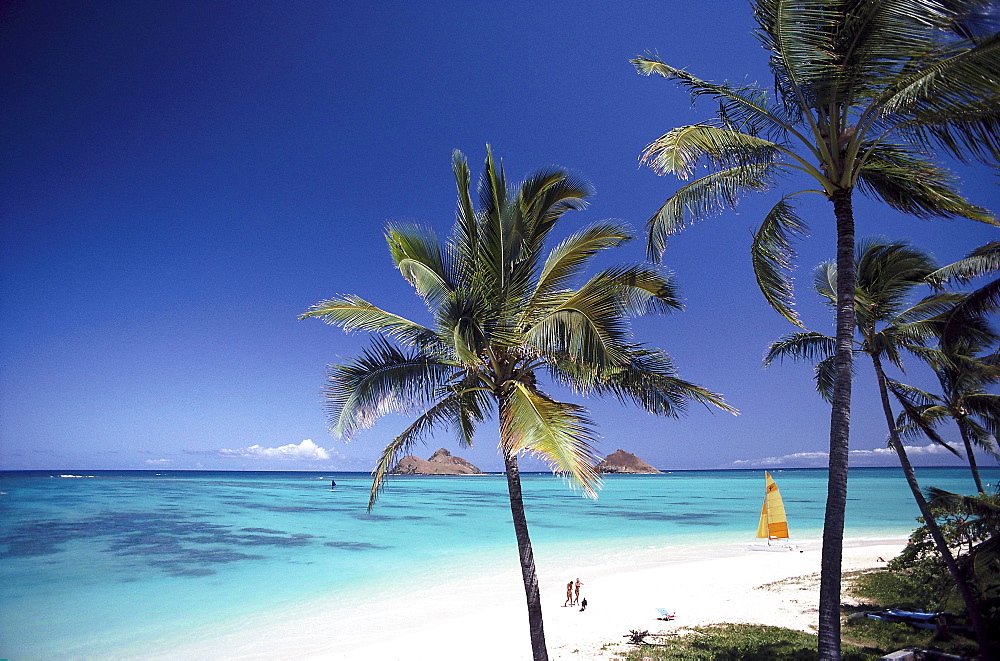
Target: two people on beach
570,600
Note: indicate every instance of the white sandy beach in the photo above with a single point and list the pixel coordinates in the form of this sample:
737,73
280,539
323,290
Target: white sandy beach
483,616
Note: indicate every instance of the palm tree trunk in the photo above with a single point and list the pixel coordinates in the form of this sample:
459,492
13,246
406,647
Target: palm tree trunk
970,453
971,605
840,429
528,574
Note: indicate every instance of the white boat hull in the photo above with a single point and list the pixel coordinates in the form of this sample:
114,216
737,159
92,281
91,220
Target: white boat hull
779,548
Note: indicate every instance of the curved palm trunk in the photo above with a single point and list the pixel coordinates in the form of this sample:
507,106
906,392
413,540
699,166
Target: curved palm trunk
528,574
840,428
971,605
970,453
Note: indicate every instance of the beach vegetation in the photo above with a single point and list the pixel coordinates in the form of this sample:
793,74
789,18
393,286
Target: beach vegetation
506,314
917,579
863,94
889,323
729,642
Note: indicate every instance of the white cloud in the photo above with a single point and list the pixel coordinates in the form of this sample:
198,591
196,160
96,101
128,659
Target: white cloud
159,462
807,459
306,450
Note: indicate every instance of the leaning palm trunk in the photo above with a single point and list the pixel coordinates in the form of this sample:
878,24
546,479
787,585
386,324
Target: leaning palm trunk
971,605
862,92
506,310
840,426
527,558
970,454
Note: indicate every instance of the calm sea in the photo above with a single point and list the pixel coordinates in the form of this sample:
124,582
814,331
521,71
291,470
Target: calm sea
97,563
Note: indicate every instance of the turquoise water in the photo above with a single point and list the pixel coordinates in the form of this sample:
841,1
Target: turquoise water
108,561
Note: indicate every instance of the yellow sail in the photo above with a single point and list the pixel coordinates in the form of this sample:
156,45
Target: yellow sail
773,524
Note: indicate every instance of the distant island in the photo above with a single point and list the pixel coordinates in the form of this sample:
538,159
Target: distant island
625,462
440,463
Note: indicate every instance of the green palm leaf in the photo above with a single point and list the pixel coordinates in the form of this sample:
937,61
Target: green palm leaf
649,380
448,410
381,380
773,257
981,261
354,313
418,257
914,185
806,345
680,150
559,433
703,197
570,256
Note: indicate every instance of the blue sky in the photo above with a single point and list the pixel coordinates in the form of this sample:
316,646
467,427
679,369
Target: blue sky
180,180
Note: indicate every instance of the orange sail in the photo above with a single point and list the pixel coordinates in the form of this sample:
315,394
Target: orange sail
773,524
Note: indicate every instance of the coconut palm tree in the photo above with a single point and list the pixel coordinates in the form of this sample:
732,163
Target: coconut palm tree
966,359
886,276
964,374
862,90
504,314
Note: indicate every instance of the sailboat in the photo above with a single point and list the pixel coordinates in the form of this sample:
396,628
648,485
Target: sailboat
773,525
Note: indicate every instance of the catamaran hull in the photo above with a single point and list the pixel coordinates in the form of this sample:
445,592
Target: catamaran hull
777,548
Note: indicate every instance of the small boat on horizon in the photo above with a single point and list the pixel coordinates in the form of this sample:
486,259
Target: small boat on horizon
773,525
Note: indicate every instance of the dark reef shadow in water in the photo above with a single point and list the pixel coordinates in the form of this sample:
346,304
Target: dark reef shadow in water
173,543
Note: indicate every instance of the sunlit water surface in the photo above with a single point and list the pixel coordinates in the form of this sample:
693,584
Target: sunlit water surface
94,563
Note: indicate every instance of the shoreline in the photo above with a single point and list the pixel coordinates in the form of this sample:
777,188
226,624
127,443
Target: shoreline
485,611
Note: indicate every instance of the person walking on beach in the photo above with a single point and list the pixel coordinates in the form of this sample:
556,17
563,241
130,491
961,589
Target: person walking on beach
577,600
569,595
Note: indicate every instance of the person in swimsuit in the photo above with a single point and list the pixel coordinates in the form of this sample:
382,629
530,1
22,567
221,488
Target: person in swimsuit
578,584
569,594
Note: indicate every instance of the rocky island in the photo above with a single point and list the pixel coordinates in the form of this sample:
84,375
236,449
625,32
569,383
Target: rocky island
625,462
441,462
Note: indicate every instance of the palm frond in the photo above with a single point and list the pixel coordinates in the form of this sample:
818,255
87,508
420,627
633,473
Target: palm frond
824,374
806,345
914,185
679,151
773,257
383,379
572,255
648,379
703,197
637,289
465,236
353,313
932,415
800,38
587,329
558,433
443,411
981,261
953,99
417,254
912,411
544,197
745,108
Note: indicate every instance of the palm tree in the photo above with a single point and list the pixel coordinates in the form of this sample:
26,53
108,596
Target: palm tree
886,275
964,375
861,90
966,359
504,313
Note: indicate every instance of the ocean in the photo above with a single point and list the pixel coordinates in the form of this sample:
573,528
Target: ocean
102,564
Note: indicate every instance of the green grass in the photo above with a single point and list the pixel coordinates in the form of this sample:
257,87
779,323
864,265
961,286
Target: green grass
730,642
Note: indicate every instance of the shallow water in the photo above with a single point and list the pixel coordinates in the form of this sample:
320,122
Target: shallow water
108,560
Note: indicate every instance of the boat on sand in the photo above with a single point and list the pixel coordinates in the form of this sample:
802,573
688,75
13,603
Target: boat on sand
773,526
